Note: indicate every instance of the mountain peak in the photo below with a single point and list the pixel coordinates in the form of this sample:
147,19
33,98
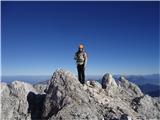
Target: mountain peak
65,98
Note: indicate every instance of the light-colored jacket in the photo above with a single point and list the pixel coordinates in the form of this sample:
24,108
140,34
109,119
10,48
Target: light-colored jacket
81,58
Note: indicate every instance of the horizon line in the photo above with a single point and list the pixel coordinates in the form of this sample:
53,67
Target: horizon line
90,75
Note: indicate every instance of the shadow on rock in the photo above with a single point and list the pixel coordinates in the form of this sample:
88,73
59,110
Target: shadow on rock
35,102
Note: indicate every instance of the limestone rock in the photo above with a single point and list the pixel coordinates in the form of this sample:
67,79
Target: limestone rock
66,99
129,88
146,107
14,100
40,87
108,81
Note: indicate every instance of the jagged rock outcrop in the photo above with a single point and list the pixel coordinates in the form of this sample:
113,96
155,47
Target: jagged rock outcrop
19,101
110,85
66,99
130,87
128,90
108,81
14,100
63,97
145,106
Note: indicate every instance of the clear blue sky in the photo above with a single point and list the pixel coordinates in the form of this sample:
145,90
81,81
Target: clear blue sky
119,37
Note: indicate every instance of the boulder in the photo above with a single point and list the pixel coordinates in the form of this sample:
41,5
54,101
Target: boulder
108,81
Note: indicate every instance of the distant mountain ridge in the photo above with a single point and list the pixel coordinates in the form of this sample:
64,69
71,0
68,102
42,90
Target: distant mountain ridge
142,79
138,79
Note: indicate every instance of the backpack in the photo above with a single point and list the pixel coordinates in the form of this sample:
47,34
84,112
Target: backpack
80,57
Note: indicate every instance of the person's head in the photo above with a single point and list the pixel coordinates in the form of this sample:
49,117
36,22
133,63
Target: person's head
81,47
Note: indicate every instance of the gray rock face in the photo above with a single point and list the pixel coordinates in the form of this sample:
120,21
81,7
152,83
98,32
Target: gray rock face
108,81
145,106
110,85
14,100
65,98
128,90
19,101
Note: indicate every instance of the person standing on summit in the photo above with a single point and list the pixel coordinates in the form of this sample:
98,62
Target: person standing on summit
81,61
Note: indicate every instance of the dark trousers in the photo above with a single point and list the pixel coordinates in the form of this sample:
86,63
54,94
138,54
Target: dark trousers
81,74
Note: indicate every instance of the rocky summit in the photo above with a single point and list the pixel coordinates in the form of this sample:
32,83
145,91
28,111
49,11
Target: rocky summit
63,97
